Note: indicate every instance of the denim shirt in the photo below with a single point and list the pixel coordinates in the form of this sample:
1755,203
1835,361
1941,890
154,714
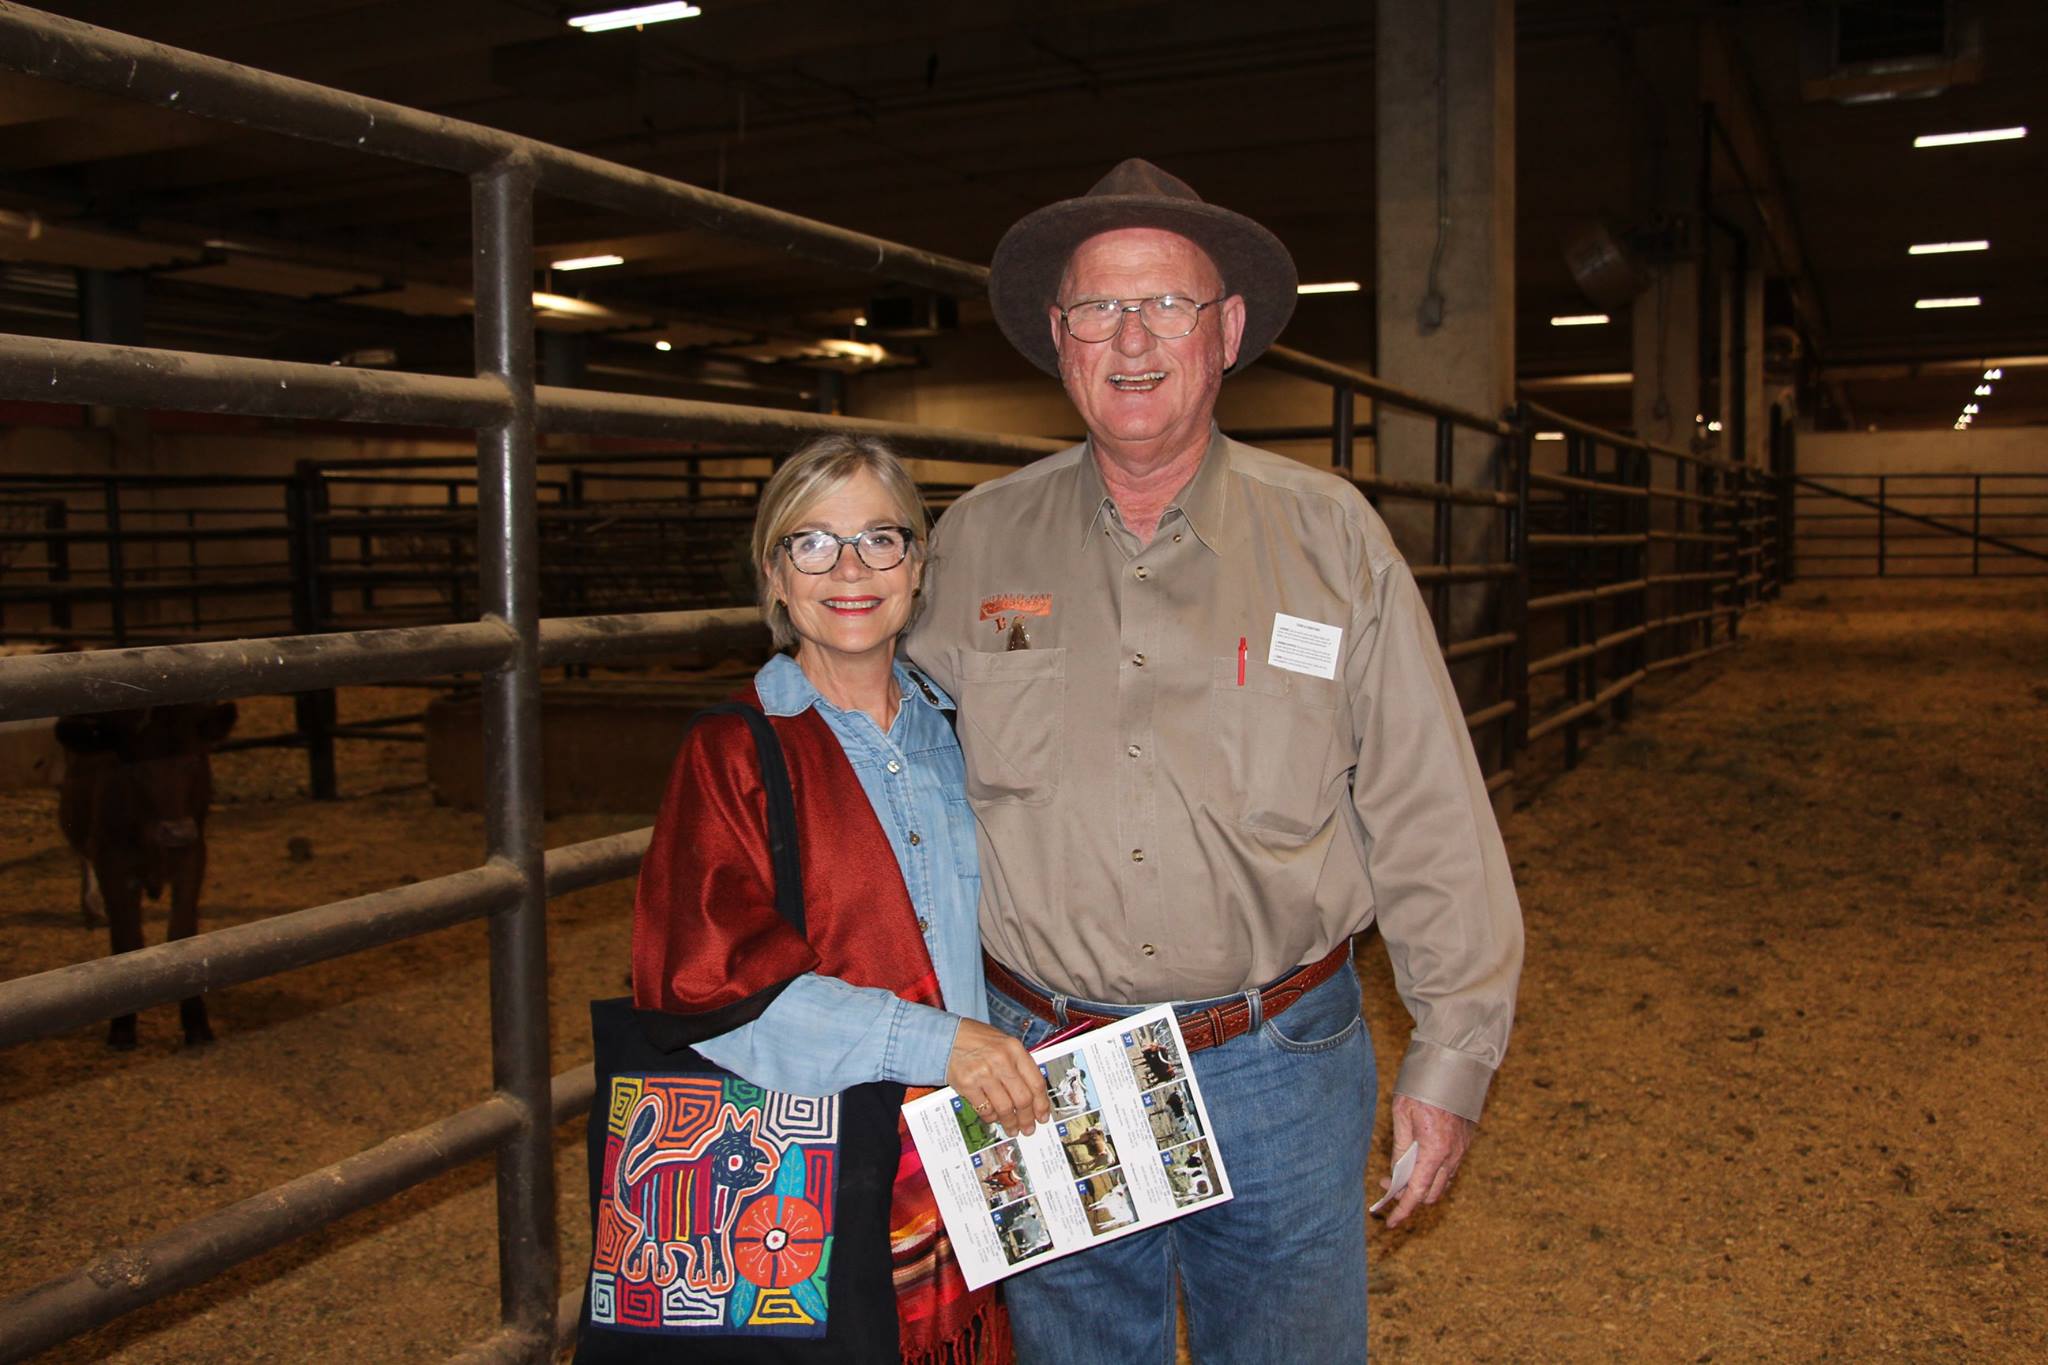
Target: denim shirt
821,1034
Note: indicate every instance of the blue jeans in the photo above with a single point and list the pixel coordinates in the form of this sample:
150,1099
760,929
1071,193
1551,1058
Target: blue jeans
1276,1273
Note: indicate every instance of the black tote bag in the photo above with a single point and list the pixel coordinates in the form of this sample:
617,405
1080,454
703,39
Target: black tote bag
730,1222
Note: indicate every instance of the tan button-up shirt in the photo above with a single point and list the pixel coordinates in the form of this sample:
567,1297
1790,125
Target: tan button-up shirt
1172,803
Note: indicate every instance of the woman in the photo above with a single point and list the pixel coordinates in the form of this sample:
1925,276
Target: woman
889,985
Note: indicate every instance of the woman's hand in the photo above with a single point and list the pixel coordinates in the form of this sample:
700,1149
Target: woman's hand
994,1073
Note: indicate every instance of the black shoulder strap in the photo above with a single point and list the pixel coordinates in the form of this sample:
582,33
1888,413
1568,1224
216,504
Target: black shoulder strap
782,850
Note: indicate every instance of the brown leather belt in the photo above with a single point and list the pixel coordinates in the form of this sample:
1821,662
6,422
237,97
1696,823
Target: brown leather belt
1203,1028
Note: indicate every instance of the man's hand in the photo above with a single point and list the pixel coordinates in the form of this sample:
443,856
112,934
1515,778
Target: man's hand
1443,1137
994,1073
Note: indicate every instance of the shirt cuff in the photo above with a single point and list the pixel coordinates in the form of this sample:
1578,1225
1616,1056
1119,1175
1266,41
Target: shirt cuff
920,1044
1447,1079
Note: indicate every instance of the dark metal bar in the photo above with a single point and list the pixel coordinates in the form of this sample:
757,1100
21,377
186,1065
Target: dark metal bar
104,680
1560,719
1880,525
623,414
88,992
595,861
117,564
1976,524
508,566
1372,386
98,59
1432,492
47,370
1344,423
1550,417
1483,644
124,1280
1440,532
580,639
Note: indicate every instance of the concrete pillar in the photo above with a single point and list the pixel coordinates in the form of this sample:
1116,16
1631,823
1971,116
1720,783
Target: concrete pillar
1445,183
1665,337
1756,416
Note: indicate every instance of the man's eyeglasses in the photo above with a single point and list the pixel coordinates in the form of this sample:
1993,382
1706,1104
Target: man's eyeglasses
1166,316
879,547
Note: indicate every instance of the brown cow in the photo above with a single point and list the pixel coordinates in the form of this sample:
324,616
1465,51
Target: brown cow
137,785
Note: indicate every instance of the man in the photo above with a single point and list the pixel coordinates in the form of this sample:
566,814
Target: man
1209,738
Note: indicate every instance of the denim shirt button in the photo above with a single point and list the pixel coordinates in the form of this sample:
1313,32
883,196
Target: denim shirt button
894,766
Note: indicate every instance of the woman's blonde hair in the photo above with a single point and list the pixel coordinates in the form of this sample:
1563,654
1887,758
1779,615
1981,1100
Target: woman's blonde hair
813,473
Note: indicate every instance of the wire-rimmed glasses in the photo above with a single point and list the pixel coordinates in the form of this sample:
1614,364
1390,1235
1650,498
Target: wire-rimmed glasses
880,548
1166,316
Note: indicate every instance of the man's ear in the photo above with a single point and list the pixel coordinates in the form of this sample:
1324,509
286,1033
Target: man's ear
1233,328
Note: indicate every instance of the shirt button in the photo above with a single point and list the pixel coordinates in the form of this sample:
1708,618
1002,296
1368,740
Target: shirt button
1137,855
1176,537
914,839
1138,659
1134,751
894,766
1141,573
924,926
1147,949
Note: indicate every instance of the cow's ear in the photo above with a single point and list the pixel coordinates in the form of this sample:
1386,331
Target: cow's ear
219,722
87,734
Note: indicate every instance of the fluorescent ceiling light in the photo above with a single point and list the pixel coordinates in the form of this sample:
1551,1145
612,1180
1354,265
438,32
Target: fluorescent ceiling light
1945,248
1970,408
1994,373
1579,320
1958,139
1713,426
664,345
565,306
593,262
1550,436
1967,301
1330,287
1983,390
854,350
633,17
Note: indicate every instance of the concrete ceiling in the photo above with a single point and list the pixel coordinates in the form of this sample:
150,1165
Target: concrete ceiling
937,124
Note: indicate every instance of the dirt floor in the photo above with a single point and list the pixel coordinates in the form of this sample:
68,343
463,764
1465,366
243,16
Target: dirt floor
1774,1091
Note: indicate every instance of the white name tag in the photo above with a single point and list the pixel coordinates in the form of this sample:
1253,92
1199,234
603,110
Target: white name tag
1304,646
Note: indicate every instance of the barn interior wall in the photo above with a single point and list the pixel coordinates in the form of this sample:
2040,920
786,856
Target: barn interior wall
2013,509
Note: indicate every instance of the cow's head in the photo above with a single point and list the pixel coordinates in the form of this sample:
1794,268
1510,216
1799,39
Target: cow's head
149,732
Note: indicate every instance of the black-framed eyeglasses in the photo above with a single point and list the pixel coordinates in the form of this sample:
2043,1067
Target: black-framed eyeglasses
879,547
1166,316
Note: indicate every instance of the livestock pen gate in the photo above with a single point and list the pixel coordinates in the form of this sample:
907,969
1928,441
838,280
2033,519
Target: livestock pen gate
509,644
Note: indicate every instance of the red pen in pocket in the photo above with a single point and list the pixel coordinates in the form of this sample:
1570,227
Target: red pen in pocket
1243,647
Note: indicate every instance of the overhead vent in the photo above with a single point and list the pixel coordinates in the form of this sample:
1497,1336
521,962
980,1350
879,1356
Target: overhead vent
1863,51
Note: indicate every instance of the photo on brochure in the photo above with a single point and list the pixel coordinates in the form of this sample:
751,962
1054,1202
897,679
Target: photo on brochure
1003,1175
976,1131
1172,1113
1189,1173
1068,1084
1021,1229
1154,1054
1107,1201
1087,1144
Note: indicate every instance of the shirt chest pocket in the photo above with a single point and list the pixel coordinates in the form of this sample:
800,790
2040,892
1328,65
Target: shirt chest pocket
1277,737
1012,705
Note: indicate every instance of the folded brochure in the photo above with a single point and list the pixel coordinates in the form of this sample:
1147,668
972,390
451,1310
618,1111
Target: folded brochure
1129,1146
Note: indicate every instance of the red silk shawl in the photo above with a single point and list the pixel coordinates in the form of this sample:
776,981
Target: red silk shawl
705,931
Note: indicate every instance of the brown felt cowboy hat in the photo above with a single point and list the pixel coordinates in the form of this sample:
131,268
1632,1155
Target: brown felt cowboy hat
1024,278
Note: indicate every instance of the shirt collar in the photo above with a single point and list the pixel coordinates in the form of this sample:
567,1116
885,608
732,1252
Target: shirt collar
1204,502
785,691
